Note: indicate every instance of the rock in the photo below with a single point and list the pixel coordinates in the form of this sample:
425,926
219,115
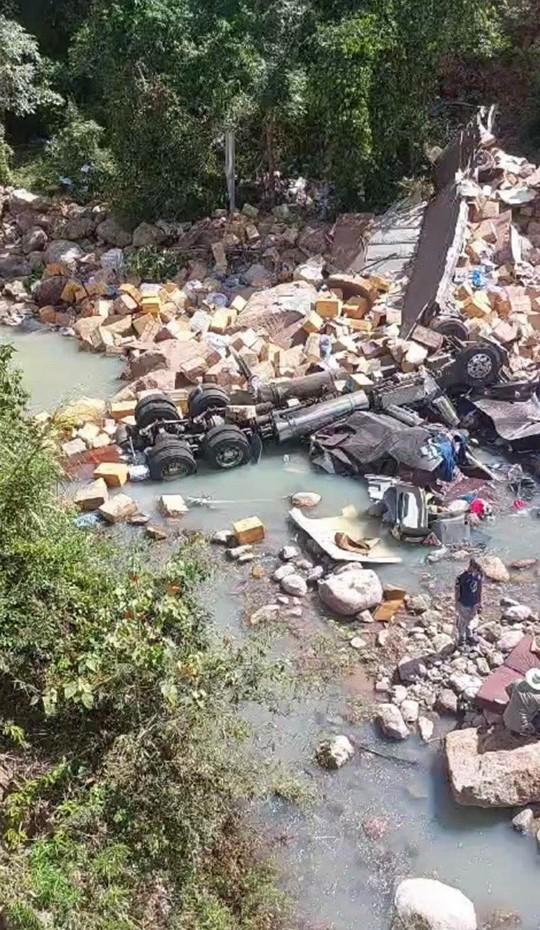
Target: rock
65,252
447,702
288,553
78,227
517,613
465,684
410,670
425,728
333,753
138,519
49,290
494,769
35,240
523,821
264,614
172,505
315,574
113,234
399,694
350,590
223,537
239,552
13,265
282,572
311,272
294,585
366,617
118,508
21,200
443,643
375,827
417,603
426,904
258,276
520,564
509,640
92,496
391,722
305,499
494,568
145,234
358,643
156,533
410,710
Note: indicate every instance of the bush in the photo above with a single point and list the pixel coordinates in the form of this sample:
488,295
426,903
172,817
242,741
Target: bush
153,264
76,160
119,717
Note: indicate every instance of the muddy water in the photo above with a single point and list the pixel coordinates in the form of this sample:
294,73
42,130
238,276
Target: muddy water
336,873
55,371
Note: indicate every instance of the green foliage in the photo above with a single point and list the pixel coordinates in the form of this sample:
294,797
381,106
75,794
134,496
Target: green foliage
153,264
75,158
349,91
120,720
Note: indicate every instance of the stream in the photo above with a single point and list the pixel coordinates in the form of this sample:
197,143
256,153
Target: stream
334,872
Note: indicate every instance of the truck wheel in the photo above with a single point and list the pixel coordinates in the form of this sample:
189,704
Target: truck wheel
207,397
155,407
478,365
226,447
451,327
170,459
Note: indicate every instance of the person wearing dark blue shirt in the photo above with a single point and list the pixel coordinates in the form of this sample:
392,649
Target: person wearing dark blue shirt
468,602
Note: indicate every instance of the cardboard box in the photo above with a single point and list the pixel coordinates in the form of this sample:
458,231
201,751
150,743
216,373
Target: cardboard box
250,530
329,308
114,474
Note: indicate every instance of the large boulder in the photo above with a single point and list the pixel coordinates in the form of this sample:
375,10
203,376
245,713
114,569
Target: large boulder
494,568
147,234
493,770
65,252
21,200
113,233
48,291
79,225
350,590
13,265
425,904
277,307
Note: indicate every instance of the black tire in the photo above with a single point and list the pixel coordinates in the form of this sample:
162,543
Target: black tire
478,365
155,407
206,397
170,459
451,327
226,447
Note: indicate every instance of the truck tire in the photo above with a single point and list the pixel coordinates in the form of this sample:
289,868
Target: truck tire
206,397
226,447
449,326
478,365
170,459
155,407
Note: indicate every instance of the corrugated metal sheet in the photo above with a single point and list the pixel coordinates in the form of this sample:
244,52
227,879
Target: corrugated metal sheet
394,238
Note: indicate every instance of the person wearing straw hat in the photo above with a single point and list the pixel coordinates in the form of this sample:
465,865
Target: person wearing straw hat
522,714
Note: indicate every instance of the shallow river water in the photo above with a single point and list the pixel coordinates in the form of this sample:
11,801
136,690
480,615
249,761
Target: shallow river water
335,873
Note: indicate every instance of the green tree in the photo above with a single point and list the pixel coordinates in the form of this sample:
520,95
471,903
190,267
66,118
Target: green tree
23,81
119,716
